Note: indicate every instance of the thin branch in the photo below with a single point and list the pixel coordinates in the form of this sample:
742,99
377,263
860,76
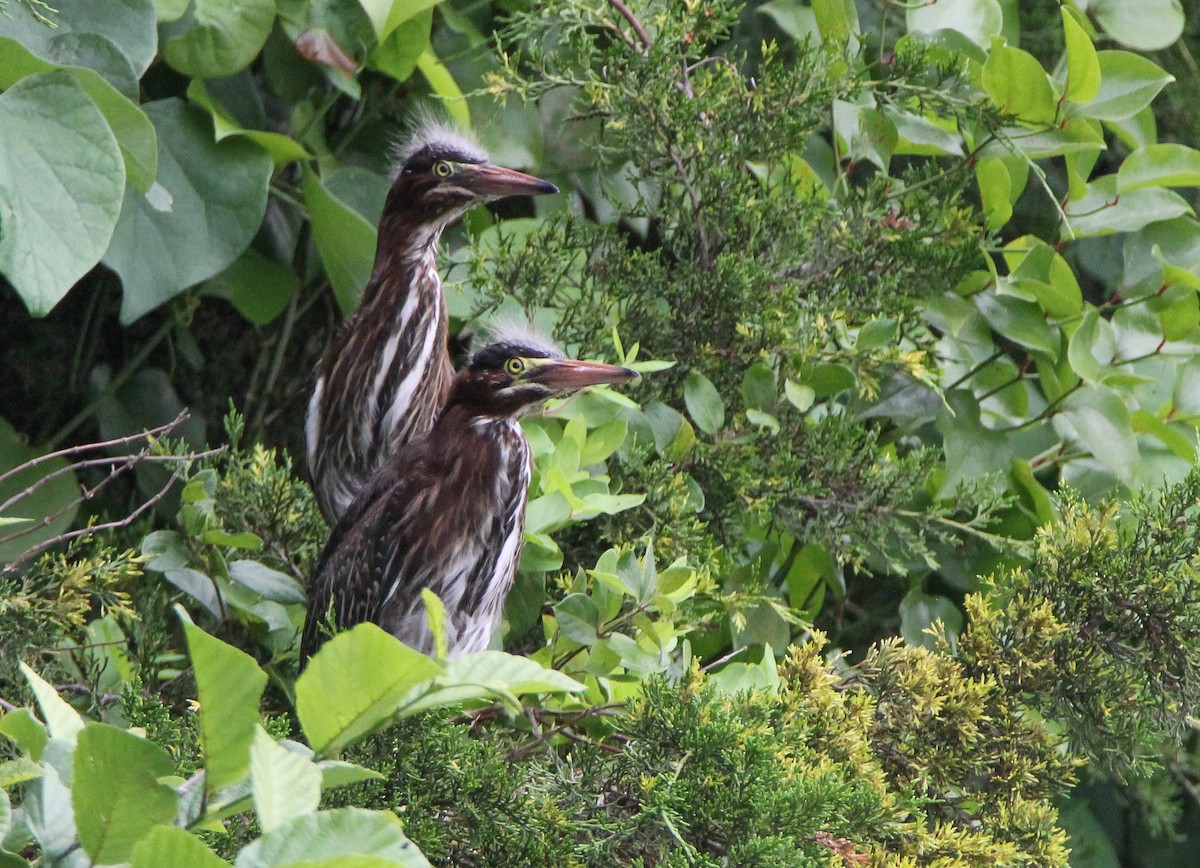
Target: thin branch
33,551
628,15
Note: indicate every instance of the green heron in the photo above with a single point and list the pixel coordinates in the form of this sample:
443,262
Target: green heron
387,371
447,510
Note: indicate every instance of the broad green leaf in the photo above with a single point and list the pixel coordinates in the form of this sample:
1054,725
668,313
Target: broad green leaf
174,847
1181,443
794,19
603,441
116,793
134,132
972,449
799,396
353,685
1018,321
1128,83
324,835
260,288
62,721
285,784
271,584
1146,25
336,773
25,731
197,219
978,20
812,571
703,402
1017,84
1092,337
387,15
398,54
283,149
170,10
837,20
758,387
443,84
1105,210
1078,134
920,611
578,618
61,182
995,189
1166,165
49,502
1100,421
345,240
117,38
47,804
1083,66
17,771
867,132
216,38
509,672
230,687
917,134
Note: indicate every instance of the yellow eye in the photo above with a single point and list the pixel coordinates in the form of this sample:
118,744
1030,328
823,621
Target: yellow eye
443,169
515,366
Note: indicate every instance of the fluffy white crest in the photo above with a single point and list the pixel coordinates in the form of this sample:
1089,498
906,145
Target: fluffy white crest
514,327
428,127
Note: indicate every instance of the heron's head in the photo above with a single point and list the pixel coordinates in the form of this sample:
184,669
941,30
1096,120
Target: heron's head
517,372
441,173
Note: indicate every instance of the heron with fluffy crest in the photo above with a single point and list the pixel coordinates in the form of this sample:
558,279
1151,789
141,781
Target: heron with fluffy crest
447,511
387,372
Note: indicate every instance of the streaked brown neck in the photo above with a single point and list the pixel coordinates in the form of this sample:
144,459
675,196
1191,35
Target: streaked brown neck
406,249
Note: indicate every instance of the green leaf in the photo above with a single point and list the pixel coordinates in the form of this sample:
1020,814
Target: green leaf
133,130
61,182
499,671
995,188
917,134
1105,210
1101,422
178,848
1015,81
758,387
200,215
18,771
260,288
578,618
44,495
387,15
811,572
1146,25
602,442
62,721
117,38
271,584
1128,83
435,614
794,19
978,20
1086,339
312,838
345,240
1180,443
1166,165
285,784
116,793
972,449
837,20
444,85
868,133
397,55
919,611
230,687
283,149
799,396
353,685
336,773
216,38
703,402
25,731
1018,321
1083,66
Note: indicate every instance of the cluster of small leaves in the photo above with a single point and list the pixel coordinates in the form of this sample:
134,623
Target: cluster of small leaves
692,774
1103,627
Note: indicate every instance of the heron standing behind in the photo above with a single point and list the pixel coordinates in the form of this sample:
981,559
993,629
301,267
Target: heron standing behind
387,371
447,511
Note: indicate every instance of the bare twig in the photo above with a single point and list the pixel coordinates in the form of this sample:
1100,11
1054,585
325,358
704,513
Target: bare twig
628,15
35,550
92,447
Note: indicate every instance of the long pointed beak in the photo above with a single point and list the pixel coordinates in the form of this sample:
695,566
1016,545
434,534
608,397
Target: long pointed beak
492,182
563,375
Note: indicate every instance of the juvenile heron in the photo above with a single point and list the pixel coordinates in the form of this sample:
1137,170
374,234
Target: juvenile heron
447,511
387,371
